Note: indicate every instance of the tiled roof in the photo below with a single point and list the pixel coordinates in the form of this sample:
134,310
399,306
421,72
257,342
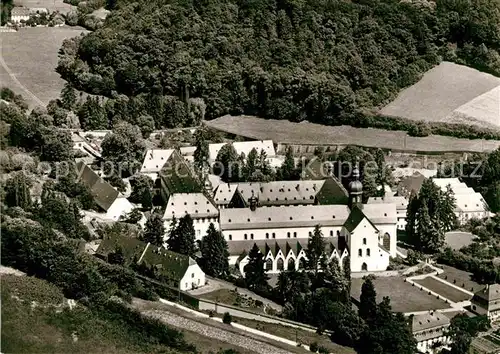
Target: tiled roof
491,293
381,213
244,147
401,202
409,184
276,217
428,321
20,11
104,194
194,204
178,177
155,159
224,193
131,246
332,192
466,198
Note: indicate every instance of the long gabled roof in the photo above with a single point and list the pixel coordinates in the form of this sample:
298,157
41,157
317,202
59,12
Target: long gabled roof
155,159
285,216
194,204
428,321
178,176
104,194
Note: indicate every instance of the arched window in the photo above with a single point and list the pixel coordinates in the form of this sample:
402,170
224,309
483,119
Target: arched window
291,264
246,237
269,264
364,241
280,264
331,232
302,263
274,235
368,252
387,241
251,236
230,237
364,267
288,234
360,252
267,234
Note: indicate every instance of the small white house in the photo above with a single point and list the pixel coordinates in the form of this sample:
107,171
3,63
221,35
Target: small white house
19,14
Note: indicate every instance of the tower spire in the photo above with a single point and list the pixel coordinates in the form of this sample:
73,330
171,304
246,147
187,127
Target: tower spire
355,187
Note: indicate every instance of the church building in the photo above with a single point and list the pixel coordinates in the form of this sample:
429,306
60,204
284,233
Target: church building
364,232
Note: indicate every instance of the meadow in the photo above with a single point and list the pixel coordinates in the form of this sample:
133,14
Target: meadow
28,61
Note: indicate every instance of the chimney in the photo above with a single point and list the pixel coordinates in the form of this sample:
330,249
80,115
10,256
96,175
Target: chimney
253,201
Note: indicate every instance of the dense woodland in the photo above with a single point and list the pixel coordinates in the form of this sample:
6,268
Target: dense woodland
330,62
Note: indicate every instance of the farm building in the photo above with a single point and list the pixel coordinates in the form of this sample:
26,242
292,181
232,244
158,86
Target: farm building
469,203
451,93
105,195
19,14
429,330
177,270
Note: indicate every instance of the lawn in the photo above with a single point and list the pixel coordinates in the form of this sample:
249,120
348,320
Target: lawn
51,5
30,55
305,133
459,278
44,329
447,291
404,297
298,335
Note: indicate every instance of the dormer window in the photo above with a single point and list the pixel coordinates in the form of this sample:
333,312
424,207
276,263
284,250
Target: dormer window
312,217
269,219
229,220
195,203
385,214
248,220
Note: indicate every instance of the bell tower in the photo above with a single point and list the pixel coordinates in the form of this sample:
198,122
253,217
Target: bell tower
355,188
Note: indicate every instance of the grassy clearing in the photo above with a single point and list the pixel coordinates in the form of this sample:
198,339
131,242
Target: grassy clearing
51,5
450,93
306,133
31,55
447,291
459,278
47,328
404,297
298,335
233,298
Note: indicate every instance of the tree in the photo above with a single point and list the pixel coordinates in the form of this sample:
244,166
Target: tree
201,154
182,238
92,115
255,275
430,239
335,279
142,186
346,267
154,230
17,191
288,171
116,257
368,302
369,186
134,216
146,124
316,250
228,164
214,253
291,284
123,149
68,96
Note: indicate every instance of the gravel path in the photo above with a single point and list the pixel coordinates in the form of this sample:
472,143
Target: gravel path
214,332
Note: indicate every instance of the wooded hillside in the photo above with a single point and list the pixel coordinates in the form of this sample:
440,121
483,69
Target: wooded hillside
321,60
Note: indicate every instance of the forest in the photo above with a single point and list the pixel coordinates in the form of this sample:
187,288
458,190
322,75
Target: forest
330,62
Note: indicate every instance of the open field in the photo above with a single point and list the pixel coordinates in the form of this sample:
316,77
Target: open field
28,61
441,288
451,93
305,133
459,278
404,297
51,5
298,335
459,239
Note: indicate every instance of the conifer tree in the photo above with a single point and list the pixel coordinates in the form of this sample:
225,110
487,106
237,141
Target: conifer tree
368,301
447,204
154,230
17,192
182,238
346,268
214,253
201,154
430,237
316,250
288,171
68,96
255,275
